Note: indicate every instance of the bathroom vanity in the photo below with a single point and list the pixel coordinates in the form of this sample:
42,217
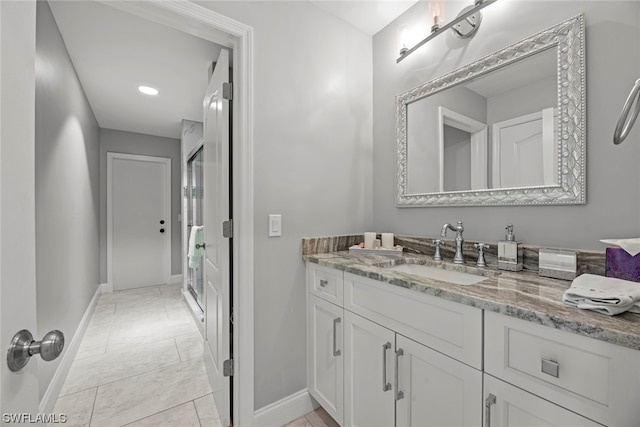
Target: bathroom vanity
391,346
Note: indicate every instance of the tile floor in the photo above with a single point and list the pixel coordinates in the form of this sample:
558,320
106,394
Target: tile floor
317,418
139,364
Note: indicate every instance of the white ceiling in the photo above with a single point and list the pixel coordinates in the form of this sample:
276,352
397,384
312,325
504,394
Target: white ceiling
114,52
369,16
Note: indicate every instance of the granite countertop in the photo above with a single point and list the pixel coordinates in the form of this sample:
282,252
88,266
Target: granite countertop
523,295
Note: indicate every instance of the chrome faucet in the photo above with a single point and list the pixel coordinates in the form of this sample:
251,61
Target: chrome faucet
458,258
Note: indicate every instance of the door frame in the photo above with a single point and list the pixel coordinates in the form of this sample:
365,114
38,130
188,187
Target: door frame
166,162
207,24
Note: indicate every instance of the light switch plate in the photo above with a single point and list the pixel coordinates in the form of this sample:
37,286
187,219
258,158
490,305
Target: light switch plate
275,225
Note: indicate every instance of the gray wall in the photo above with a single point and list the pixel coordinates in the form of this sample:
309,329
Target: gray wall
613,176
508,105
312,158
67,200
146,145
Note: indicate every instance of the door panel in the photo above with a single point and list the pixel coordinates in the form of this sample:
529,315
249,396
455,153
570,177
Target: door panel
366,346
139,201
217,254
438,390
326,355
139,245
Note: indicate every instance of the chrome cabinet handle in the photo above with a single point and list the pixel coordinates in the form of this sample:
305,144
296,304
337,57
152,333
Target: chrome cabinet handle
490,400
323,283
550,367
385,385
399,394
336,352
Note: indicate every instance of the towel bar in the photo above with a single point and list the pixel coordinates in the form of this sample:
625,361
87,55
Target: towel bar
625,123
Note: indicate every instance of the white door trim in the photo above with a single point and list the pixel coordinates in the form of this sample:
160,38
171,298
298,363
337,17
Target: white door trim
202,22
111,157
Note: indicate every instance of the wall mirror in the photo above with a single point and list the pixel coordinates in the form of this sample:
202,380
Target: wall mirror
508,129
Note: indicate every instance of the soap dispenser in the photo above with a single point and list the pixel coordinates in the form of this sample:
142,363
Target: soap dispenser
509,252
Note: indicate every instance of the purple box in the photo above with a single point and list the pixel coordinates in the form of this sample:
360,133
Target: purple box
621,265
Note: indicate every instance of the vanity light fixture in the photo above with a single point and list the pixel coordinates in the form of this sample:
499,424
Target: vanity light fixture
147,90
465,25
436,9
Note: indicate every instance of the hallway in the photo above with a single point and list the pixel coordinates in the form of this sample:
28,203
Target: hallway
139,364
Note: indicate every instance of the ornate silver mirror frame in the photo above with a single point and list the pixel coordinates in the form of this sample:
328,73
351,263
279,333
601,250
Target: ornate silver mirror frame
569,39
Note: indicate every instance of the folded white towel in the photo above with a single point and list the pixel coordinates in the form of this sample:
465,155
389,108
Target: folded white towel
605,295
632,246
195,253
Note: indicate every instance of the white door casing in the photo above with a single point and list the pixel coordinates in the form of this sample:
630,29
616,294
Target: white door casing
200,21
217,265
138,199
17,201
478,134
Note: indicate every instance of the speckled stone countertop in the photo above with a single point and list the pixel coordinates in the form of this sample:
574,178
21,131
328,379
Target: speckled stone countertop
523,295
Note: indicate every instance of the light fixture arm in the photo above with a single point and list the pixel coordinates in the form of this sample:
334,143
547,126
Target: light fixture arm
463,16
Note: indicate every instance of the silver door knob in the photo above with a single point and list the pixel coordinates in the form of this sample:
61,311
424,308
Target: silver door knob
23,346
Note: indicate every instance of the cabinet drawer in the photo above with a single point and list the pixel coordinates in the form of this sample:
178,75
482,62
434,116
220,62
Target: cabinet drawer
325,283
506,405
448,327
588,376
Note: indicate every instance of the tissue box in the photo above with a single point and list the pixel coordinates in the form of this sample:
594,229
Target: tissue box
621,265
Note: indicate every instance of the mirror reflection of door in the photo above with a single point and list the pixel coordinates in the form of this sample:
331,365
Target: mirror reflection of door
524,151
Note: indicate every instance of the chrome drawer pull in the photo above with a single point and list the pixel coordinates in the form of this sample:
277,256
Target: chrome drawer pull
385,385
323,283
490,400
336,352
399,394
550,367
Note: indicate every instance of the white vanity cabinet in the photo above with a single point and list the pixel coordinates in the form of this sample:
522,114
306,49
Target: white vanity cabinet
390,377
383,355
596,379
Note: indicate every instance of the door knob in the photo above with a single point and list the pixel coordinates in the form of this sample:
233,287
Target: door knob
162,230
23,346
161,221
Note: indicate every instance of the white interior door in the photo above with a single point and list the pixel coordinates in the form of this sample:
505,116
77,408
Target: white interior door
524,151
217,255
139,215
18,390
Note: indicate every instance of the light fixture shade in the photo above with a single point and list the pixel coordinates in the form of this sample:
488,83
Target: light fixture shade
403,39
436,12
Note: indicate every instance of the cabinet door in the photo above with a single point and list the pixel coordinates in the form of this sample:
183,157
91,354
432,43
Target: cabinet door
325,353
514,407
435,390
369,356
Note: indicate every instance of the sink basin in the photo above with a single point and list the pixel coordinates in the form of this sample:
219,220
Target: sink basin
455,277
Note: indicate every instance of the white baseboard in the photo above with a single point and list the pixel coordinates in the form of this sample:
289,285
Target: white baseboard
284,410
176,278
51,394
106,288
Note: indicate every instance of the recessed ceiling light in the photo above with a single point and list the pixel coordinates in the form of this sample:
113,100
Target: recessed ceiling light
148,90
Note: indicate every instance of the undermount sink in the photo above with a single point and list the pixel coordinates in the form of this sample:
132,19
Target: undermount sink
455,277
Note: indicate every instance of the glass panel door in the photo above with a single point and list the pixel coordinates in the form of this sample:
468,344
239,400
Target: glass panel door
195,278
